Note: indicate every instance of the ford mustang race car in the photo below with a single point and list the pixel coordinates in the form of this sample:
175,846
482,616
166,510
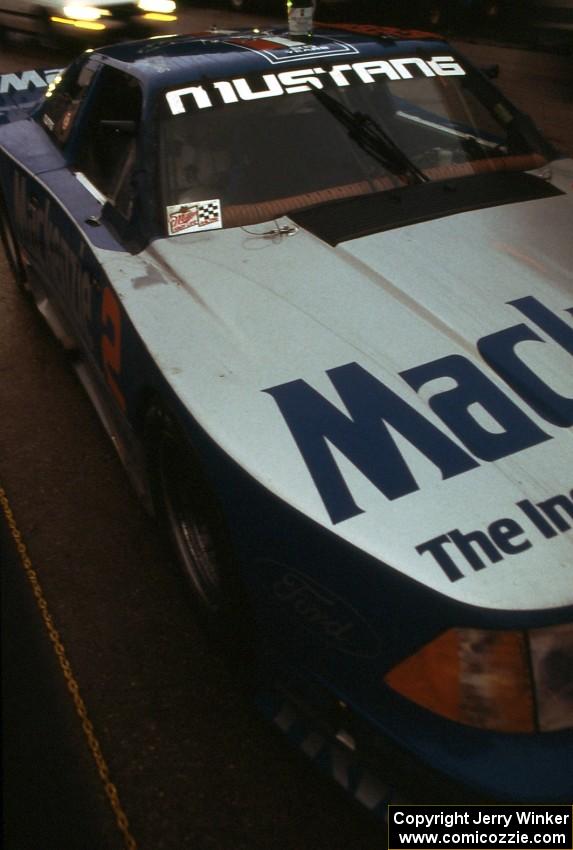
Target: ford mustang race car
320,292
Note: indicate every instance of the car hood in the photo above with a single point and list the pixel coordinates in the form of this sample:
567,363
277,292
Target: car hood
257,333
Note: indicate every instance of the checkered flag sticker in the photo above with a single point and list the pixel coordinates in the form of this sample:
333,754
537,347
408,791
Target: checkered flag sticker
194,216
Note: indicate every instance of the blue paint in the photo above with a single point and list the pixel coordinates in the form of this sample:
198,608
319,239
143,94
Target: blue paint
362,437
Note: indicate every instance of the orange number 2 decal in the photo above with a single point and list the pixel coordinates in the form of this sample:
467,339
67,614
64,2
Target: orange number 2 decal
111,343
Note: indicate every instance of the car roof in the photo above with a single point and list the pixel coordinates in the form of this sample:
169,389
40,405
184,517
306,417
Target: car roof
216,54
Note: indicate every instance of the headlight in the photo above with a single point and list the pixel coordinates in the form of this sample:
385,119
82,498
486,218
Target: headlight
85,13
518,681
164,7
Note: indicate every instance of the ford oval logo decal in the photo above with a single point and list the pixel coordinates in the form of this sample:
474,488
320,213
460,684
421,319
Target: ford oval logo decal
325,615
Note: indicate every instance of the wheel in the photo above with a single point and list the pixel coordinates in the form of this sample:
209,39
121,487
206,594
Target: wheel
192,520
11,246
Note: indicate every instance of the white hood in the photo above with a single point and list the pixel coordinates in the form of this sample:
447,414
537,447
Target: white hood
237,313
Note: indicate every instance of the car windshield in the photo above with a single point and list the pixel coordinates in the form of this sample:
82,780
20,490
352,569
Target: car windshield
236,152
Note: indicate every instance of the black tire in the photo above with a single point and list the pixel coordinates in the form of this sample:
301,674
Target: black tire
192,520
11,246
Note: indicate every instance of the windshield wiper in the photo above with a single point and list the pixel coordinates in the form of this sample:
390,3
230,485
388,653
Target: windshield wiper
371,137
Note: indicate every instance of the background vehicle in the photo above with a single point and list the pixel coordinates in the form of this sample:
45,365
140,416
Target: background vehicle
108,20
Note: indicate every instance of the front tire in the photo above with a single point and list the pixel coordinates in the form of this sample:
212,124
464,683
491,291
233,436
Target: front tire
11,246
192,519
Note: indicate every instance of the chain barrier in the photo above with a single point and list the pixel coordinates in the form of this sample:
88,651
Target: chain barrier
71,682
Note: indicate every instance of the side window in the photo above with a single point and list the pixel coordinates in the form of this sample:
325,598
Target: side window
106,152
63,100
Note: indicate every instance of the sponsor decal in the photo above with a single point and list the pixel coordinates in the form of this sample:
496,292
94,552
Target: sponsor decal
26,80
111,348
66,262
56,249
364,434
193,217
478,549
278,49
326,615
205,96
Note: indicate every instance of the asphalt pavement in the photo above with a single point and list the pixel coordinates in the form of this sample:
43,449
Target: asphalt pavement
53,795
195,767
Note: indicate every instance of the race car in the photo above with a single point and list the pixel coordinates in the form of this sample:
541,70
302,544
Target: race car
57,19
319,290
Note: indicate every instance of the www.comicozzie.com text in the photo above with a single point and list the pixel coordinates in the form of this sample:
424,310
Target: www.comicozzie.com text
480,827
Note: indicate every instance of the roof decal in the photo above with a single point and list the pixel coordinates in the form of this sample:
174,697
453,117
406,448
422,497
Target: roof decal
278,49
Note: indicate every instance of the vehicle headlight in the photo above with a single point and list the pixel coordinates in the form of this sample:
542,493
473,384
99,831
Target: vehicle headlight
85,13
508,681
164,7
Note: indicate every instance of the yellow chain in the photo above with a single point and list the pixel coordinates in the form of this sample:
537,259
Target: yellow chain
73,687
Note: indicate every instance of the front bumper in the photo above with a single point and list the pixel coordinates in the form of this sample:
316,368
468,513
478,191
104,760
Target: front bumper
447,768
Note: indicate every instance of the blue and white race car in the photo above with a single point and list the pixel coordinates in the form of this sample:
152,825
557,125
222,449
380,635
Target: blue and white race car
320,291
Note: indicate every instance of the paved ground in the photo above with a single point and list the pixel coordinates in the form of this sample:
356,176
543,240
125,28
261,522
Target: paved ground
52,795
194,768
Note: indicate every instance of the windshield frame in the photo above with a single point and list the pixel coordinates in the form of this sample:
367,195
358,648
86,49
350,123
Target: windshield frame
201,91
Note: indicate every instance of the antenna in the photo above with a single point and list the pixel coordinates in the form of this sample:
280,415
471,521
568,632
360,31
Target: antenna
300,15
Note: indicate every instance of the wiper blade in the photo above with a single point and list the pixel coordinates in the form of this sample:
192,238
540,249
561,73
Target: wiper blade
371,137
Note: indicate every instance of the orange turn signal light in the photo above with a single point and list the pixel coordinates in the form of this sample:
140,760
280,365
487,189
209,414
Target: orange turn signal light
508,681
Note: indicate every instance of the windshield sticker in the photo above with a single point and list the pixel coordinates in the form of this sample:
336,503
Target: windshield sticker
279,49
204,96
193,217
